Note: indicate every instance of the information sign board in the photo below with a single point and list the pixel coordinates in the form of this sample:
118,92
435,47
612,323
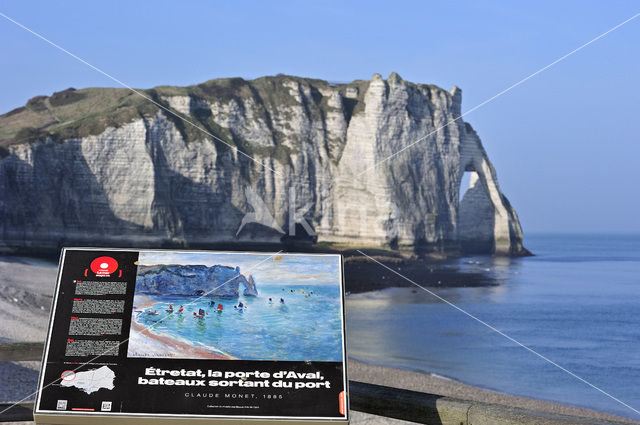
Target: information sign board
180,336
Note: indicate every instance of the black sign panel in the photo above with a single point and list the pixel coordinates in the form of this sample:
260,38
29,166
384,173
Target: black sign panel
194,334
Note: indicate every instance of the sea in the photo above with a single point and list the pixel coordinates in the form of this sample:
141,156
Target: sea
576,303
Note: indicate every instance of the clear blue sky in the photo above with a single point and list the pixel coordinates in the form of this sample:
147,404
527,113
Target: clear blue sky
566,144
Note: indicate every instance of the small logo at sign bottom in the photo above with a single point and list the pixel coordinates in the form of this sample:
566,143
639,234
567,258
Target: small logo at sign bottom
106,406
61,405
341,403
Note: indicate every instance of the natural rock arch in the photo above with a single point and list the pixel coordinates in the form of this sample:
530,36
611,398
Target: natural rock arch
486,220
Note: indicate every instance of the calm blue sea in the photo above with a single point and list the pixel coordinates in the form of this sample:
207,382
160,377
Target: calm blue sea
577,302
307,326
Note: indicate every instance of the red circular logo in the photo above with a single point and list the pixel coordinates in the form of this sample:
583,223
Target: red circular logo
103,266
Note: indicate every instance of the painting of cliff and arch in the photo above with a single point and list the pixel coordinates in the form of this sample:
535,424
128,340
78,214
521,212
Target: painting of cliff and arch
243,306
184,336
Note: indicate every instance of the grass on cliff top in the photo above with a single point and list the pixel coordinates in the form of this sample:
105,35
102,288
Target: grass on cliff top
71,113
75,113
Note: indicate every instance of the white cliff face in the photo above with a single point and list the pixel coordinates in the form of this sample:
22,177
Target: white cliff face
126,192
332,148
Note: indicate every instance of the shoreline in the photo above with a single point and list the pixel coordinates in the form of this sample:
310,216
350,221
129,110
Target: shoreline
438,251
435,384
435,269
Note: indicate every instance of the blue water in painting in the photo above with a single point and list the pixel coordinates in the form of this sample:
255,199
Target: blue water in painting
577,302
306,327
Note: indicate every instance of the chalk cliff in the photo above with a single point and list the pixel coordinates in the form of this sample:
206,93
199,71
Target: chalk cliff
106,167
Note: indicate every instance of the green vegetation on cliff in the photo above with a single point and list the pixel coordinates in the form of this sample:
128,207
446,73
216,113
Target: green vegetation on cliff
75,113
